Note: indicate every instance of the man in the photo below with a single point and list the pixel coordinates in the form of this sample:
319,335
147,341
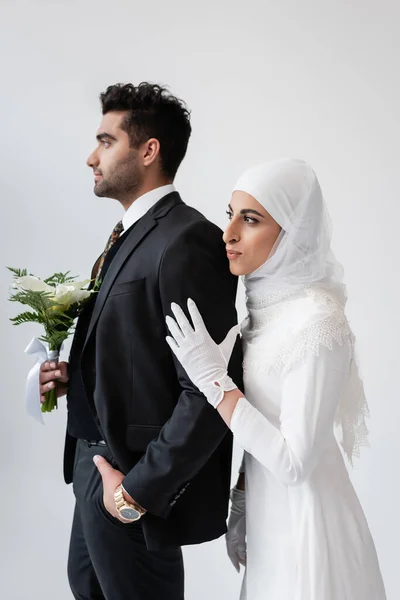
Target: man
148,457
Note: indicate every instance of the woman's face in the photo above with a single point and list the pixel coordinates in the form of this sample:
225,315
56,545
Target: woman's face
250,235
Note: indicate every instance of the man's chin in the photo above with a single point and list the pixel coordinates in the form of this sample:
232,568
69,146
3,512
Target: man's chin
100,191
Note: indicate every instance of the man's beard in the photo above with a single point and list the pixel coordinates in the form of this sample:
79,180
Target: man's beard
123,182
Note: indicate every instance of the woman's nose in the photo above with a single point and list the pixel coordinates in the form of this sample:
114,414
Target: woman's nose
231,235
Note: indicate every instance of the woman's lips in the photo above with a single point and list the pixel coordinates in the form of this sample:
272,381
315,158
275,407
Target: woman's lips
232,254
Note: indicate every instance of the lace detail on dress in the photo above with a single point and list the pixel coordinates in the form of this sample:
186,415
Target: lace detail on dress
352,414
261,317
324,333
277,295
287,335
281,355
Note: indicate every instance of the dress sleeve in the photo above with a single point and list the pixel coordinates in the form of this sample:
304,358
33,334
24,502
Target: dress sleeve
311,393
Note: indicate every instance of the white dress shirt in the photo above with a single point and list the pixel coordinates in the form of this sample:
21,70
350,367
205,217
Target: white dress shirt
141,205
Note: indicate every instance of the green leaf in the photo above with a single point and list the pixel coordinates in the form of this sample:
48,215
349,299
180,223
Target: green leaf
60,278
28,317
18,272
55,339
97,284
36,300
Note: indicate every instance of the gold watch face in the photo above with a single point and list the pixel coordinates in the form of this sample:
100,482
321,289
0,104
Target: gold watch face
129,513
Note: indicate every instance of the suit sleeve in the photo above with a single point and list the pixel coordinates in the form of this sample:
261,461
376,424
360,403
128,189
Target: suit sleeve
193,266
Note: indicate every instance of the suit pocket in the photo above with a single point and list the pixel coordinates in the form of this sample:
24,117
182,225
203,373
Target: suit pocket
126,287
138,437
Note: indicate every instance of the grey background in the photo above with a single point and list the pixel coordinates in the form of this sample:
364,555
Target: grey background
316,80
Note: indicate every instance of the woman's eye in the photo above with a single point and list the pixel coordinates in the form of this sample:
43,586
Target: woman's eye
230,215
250,220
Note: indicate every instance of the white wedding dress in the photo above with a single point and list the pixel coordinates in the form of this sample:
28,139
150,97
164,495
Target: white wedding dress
307,536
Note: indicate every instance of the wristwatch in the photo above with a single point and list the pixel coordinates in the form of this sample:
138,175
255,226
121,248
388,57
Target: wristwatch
126,510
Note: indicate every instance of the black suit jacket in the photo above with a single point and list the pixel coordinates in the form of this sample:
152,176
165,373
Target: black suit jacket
173,447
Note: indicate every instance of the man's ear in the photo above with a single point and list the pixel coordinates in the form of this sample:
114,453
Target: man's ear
150,151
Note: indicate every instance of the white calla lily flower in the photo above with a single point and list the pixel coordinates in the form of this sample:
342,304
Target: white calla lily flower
67,294
32,284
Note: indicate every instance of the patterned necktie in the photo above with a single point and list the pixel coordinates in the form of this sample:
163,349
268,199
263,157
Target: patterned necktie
116,232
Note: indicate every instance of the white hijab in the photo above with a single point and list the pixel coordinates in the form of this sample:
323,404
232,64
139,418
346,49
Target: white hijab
301,263
290,192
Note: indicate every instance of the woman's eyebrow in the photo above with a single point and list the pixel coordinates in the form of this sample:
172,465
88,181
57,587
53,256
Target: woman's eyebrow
246,211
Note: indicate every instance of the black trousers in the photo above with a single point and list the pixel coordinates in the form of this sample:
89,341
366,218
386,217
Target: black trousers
108,560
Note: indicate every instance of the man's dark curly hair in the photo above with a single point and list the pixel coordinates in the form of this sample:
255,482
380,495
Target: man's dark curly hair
152,112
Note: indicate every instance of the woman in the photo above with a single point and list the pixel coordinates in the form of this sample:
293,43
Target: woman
307,537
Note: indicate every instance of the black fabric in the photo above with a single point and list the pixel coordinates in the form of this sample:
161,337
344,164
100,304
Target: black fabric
172,446
81,421
108,560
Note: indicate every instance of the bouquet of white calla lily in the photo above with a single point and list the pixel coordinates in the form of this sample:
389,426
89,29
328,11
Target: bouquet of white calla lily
55,302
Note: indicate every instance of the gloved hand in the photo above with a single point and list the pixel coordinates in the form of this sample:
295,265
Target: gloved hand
204,361
236,535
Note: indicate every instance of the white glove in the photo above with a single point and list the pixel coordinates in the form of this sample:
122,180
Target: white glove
236,535
204,361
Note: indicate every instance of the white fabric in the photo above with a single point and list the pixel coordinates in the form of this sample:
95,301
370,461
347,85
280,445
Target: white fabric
204,361
41,352
281,334
236,534
307,537
301,258
142,204
289,191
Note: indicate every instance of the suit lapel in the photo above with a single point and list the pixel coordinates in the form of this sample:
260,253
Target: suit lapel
138,233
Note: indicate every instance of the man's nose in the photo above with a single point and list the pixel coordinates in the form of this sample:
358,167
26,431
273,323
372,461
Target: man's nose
93,160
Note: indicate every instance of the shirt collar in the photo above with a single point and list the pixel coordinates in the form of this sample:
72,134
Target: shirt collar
141,205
